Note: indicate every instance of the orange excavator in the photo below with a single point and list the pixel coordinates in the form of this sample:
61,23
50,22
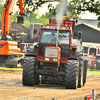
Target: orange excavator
8,48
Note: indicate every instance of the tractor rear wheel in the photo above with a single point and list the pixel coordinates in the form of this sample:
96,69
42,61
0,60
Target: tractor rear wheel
28,71
71,74
81,67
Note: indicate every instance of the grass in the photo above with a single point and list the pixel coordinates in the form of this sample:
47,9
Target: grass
4,68
88,72
93,72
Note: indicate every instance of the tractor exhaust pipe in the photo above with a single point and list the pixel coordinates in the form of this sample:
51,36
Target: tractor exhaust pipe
57,37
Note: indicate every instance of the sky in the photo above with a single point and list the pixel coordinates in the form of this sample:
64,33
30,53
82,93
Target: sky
89,15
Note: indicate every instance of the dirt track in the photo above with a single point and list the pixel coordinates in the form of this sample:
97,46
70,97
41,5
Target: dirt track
11,88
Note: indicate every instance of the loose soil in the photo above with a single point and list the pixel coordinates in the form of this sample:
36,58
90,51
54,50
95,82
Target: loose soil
11,88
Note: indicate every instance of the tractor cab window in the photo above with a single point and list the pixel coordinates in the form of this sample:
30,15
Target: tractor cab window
64,37
49,36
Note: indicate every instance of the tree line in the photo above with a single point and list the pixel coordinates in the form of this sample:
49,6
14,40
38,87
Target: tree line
75,7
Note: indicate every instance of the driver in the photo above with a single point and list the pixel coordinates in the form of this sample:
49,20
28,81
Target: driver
53,38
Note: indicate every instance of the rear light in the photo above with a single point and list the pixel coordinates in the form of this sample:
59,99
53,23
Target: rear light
1,45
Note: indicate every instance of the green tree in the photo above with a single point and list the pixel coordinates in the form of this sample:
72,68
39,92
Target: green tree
43,19
32,5
76,6
1,9
31,18
26,23
35,18
14,17
93,6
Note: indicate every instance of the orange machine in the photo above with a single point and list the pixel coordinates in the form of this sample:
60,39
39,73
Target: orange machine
6,16
8,47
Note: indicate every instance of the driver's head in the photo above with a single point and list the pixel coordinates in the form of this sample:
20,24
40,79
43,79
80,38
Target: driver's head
53,34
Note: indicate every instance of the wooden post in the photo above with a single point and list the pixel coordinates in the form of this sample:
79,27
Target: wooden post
93,92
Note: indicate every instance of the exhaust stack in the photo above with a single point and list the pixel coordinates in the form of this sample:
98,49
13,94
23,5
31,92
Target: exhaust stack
57,37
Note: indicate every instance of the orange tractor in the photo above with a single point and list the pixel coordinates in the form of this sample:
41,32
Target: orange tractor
9,48
57,58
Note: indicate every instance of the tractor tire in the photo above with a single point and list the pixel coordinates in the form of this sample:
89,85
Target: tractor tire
71,74
28,78
81,67
85,72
